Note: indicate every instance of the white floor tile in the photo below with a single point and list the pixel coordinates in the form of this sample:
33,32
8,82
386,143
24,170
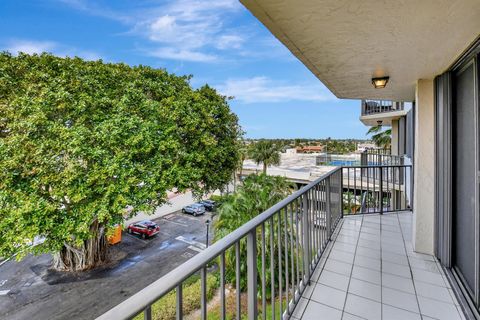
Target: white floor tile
398,283
365,289
433,292
362,307
400,299
366,262
367,252
395,258
392,313
429,277
334,280
338,267
315,311
437,309
396,269
348,316
329,296
365,274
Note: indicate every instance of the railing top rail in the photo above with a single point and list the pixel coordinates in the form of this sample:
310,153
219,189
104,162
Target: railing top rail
145,297
379,166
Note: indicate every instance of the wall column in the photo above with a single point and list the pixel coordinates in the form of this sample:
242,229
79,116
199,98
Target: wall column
424,171
394,144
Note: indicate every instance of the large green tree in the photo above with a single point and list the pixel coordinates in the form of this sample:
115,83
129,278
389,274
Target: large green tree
83,145
266,152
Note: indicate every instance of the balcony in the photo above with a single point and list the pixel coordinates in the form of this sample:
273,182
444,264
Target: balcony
369,271
374,112
336,249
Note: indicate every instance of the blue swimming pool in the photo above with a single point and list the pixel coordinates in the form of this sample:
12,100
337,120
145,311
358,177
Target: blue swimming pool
344,163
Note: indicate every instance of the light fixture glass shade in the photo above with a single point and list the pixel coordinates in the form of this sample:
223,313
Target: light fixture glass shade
380,83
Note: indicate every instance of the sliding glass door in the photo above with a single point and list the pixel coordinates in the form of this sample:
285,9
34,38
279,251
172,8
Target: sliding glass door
465,146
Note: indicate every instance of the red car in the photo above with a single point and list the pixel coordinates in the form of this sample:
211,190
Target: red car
145,229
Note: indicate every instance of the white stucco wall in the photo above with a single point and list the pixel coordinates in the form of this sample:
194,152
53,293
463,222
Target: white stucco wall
424,188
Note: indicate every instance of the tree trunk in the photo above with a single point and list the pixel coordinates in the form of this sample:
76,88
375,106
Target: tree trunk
264,168
90,254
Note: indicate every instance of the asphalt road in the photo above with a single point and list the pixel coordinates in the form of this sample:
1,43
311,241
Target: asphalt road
30,290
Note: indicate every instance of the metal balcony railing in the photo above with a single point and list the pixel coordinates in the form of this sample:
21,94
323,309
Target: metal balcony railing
270,259
370,107
376,157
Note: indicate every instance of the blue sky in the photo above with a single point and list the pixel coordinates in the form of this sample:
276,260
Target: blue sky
218,42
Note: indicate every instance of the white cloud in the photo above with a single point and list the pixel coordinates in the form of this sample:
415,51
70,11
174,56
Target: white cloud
33,46
191,29
30,47
230,41
182,54
263,89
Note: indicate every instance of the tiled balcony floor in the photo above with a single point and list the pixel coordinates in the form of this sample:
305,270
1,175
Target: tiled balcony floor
370,271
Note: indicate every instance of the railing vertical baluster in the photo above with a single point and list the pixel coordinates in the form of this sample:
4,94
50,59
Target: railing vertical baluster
222,287
147,313
340,185
381,190
179,304
252,288
287,276
203,298
316,220
306,240
280,276
328,216
297,243
272,267
264,292
237,279
292,252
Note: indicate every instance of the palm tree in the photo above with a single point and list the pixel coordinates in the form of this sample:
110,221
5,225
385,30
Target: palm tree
257,194
265,152
381,138
243,150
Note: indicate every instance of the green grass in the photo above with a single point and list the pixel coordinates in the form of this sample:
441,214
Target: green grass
165,308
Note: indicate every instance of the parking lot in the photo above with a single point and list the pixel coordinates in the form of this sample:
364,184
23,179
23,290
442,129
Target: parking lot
29,290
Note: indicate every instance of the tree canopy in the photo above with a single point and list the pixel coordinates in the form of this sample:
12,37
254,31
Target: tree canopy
84,143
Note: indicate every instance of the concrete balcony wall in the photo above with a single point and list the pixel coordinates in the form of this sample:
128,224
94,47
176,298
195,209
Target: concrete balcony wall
424,173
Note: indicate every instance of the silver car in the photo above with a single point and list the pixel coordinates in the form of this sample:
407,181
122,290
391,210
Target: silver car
195,209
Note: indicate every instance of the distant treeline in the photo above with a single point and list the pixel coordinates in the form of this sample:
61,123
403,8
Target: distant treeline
337,146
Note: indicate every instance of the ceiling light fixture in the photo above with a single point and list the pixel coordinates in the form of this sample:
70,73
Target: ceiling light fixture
380,83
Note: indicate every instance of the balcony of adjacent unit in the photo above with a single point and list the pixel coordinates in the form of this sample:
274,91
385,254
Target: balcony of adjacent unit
375,112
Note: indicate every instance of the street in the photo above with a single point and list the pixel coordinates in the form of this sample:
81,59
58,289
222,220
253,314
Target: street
29,290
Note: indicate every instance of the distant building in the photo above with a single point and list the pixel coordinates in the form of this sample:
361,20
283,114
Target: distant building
310,149
361,147
291,151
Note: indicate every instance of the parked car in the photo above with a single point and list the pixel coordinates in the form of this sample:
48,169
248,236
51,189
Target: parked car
208,204
194,209
145,229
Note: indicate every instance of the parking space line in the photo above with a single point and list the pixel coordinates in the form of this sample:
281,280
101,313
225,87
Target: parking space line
194,243
195,248
4,292
175,222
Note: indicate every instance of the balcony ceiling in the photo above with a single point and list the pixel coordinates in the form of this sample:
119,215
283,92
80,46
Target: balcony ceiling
345,43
